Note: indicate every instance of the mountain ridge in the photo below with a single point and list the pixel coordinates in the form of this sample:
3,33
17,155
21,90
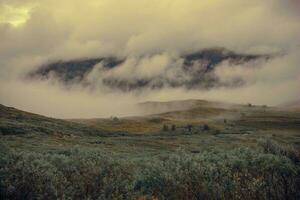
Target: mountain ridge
196,71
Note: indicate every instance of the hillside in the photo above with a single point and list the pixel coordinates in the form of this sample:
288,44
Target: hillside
156,114
222,118
15,122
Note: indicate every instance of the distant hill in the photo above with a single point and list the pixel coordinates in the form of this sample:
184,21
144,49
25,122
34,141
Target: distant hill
156,107
14,121
292,106
235,117
196,71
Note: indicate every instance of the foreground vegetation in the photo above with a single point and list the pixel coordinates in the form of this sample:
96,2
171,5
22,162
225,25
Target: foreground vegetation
268,171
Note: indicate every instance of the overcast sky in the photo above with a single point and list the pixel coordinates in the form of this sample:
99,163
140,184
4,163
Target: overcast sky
33,32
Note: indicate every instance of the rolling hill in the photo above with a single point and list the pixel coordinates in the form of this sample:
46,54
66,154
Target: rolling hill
221,117
17,122
292,106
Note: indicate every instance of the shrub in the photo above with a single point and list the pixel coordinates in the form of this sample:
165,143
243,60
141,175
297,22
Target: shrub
189,127
173,127
79,175
273,147
268,172
236,174
205,127
165,127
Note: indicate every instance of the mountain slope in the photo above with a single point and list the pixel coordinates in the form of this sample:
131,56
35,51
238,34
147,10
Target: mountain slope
196,71
73,70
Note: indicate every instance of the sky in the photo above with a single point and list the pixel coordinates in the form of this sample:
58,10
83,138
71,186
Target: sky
150,34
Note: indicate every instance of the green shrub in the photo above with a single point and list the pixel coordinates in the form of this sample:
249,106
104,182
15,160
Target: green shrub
173,127
79,175
165,127
273,147
240,173
268,172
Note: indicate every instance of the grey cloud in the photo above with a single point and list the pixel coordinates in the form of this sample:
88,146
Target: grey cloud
151,35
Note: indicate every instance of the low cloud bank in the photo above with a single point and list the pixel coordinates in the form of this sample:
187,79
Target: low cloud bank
151,34
272,82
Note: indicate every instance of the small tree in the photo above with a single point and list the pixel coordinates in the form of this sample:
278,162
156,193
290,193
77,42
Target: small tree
205,127
115,119
189,127
165,127
173,127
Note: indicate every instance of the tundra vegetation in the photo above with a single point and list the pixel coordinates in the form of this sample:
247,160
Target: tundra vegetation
268,171
190,154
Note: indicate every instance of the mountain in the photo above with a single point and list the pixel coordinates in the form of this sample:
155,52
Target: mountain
73,70
195,72
215,56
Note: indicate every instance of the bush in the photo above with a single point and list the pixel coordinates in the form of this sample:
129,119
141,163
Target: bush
273,147
240,173
79,175
189,127
205,127
268,172
165,128
173,127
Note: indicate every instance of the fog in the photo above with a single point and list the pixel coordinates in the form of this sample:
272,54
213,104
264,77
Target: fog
151,35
